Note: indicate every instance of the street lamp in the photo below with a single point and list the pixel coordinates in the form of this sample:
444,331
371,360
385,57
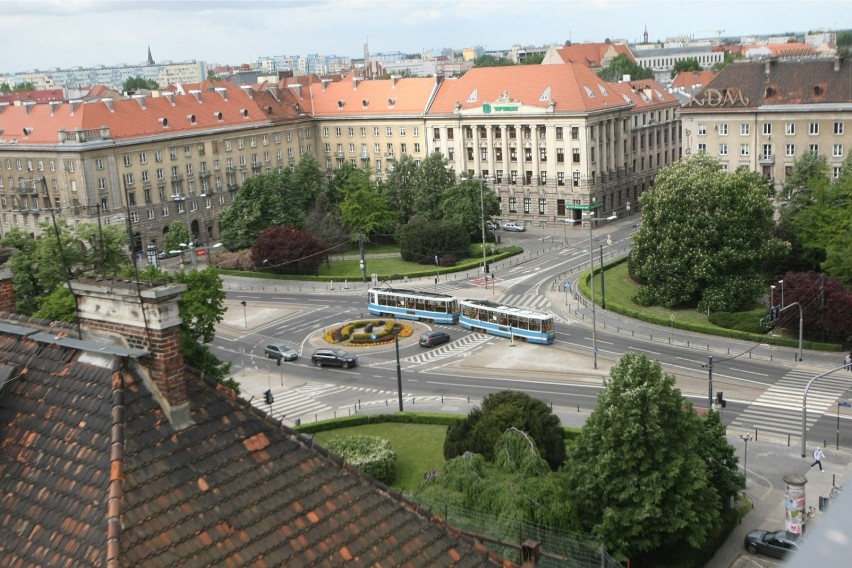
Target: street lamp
628,208
844,405
396,331
590,218
182,199
782,293
746,438
482,221
245,316
772,296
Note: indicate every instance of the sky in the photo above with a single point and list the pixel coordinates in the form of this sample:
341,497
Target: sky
44,34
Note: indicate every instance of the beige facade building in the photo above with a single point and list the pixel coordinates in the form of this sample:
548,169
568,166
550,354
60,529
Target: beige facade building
763,115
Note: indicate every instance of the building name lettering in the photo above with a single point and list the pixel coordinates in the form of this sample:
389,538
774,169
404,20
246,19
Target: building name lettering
488,107
715,98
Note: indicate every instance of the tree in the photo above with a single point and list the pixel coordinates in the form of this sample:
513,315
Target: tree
720,458
287,251
686,65
323,221
622,65
433,179
400,187
363,207
462,204
726,60
705,234
422,241
177,236
638,473
491,61
826,306
133,84
500,411
517,485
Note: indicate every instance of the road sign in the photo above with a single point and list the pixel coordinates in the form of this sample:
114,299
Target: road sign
845,404
567,285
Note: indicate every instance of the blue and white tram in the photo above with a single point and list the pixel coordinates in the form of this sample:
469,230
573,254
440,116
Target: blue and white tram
506,321
412,304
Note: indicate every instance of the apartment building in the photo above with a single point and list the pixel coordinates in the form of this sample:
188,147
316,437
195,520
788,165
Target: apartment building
762,115
181,156
555,140
369,123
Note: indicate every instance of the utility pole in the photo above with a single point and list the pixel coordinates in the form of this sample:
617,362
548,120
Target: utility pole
710,380
363,260
603,289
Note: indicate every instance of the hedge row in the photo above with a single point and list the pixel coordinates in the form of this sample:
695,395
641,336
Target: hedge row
698,328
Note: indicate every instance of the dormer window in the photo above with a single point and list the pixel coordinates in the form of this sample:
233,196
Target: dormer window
340,103
474,95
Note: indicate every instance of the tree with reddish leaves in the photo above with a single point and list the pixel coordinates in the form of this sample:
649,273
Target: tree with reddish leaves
287,251
826,306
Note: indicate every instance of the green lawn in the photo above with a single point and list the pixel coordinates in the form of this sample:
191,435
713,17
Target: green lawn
419,447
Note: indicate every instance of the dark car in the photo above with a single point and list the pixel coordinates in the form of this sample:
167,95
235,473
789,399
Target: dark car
281,351
779,544
168,254
333,358
432,338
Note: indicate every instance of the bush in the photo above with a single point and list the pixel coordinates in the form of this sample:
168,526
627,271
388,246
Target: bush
370,454
421,242
743,321
240,260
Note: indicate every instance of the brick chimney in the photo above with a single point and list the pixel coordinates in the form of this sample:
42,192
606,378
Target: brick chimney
7,291
142,316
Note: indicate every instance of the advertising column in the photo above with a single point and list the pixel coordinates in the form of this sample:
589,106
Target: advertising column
794,502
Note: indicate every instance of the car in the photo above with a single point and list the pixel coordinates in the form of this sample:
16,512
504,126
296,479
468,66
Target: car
778,544
514,227
281,352
492,225
333,358
432,338
168,254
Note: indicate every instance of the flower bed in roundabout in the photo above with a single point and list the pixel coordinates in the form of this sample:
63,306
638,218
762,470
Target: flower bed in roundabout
367,333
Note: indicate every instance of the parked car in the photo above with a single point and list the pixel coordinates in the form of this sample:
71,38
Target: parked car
168,254
433,338
334,358
779,544
514,227
281,352
492,225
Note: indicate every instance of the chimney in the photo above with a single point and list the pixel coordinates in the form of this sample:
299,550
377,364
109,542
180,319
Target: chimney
837,60
111,308
7,290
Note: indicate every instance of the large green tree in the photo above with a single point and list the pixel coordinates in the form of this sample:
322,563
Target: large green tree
133,84
516,484
622,65
177,236
468,204
364,209
400,187
433,180
500,411
638,472
705,235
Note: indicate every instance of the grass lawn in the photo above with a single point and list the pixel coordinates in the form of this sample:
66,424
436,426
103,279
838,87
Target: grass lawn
419,447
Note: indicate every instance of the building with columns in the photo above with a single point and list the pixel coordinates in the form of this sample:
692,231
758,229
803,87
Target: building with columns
554,140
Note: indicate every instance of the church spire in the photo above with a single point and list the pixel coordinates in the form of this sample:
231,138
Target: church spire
644,36
150,59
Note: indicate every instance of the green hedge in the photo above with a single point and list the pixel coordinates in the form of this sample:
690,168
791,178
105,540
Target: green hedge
358,419
706,329
370,454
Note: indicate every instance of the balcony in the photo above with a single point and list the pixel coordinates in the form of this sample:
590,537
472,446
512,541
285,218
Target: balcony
204,174
767,159
177,177
365,155
233,187
231,170
339,154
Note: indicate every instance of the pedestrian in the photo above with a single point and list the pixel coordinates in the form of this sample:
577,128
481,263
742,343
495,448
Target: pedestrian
818,457
847,362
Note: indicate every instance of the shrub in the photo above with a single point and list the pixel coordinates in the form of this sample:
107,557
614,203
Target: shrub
240,260
743,321
370,454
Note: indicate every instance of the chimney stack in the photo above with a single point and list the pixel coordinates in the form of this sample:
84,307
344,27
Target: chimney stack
141,316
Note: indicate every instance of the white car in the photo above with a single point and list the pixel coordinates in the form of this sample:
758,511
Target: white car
514,227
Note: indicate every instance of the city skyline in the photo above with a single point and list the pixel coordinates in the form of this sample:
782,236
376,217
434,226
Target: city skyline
89,33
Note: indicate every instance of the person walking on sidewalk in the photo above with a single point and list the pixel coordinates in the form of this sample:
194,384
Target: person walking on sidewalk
847,362
818,457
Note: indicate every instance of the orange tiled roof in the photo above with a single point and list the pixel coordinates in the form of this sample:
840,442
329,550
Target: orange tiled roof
643,93
354,97
141,117
573,86
688,79
591,54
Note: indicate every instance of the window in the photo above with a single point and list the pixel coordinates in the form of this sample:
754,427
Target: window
403,148
187,150
483,154
837,150
575,133
813,128
767,128
542,206
266,139
350,131
527,205
744,129
837,170
389,131
744,150
723,130
189,169
560,155
449,134
417,147
99,164
723,149
560,178
542,154
813,149
131,198
702,148
101,183
158,156
70,165
576,179
402,131
436,134
789,128
145,177
513,208
127,160
128,178
277,137
702,129
838,128
559,133
789,150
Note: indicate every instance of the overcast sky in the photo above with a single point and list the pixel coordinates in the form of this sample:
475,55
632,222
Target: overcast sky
39,34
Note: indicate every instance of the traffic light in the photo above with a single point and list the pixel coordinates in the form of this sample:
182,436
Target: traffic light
268,396
720,400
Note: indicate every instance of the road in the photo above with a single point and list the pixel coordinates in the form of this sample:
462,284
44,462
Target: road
762,384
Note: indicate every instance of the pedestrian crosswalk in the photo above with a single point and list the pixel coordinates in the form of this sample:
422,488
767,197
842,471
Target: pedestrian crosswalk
779,408
291,404
534,302
446,351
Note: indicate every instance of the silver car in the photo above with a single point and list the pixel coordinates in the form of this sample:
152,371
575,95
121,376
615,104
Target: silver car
514,227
